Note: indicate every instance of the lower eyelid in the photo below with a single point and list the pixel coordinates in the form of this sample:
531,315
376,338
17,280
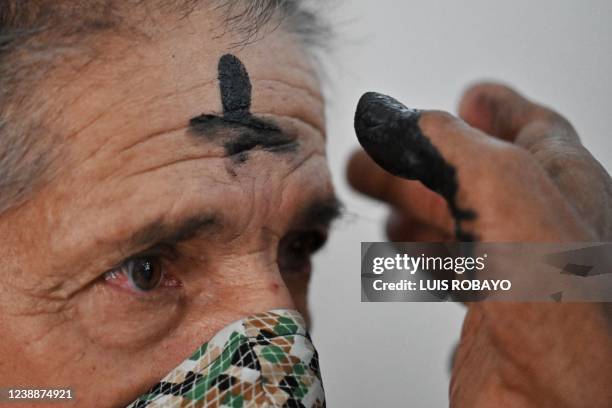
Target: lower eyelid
114,276
170,281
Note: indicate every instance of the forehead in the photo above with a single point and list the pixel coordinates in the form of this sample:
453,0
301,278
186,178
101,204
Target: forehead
123,119
146,84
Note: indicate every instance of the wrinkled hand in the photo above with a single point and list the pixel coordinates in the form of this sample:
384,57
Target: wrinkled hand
522,175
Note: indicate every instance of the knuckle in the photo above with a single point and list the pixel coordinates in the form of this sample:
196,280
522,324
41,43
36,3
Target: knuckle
553,164
509,156
549,140
535,135
556,123
559,160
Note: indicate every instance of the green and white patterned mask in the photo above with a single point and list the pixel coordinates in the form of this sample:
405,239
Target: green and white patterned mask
264,360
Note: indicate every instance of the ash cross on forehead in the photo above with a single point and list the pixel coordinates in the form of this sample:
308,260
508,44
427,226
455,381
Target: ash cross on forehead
253,132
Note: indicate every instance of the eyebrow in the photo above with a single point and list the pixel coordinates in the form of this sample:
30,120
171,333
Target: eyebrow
172,233
319,213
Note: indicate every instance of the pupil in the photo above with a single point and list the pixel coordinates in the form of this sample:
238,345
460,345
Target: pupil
146,270
145,274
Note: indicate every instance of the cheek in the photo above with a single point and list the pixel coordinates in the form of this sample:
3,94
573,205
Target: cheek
242,278
35,348
147,338
114,318
238,277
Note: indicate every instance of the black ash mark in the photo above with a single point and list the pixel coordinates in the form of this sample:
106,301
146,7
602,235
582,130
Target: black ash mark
250,131
390,133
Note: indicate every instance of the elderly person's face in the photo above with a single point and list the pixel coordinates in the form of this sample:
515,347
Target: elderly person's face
149,236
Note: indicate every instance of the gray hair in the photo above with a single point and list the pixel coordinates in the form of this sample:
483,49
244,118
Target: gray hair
35,33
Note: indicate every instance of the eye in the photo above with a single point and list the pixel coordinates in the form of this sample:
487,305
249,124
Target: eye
140,274
306,244
296,249
144,273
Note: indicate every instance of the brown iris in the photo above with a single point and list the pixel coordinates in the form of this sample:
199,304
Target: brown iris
145,273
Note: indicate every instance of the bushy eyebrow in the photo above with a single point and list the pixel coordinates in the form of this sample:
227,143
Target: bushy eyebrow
172,233
321,212
318,214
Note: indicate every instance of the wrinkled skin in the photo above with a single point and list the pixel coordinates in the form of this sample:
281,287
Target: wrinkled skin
522,168
127,159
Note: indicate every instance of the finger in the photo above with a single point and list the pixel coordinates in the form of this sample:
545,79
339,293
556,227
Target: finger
410,198
394,137
401,228
501,111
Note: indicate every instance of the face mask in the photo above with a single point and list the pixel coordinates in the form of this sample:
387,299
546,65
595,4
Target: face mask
265,360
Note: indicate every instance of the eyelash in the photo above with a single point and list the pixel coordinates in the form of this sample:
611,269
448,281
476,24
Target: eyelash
295,250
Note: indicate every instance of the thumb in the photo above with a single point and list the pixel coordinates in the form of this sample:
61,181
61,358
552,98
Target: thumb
432,147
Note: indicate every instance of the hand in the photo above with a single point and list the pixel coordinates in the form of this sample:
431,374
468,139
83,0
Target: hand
511,170
519,167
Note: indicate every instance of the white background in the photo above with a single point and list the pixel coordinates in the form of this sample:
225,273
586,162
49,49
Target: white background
424,53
